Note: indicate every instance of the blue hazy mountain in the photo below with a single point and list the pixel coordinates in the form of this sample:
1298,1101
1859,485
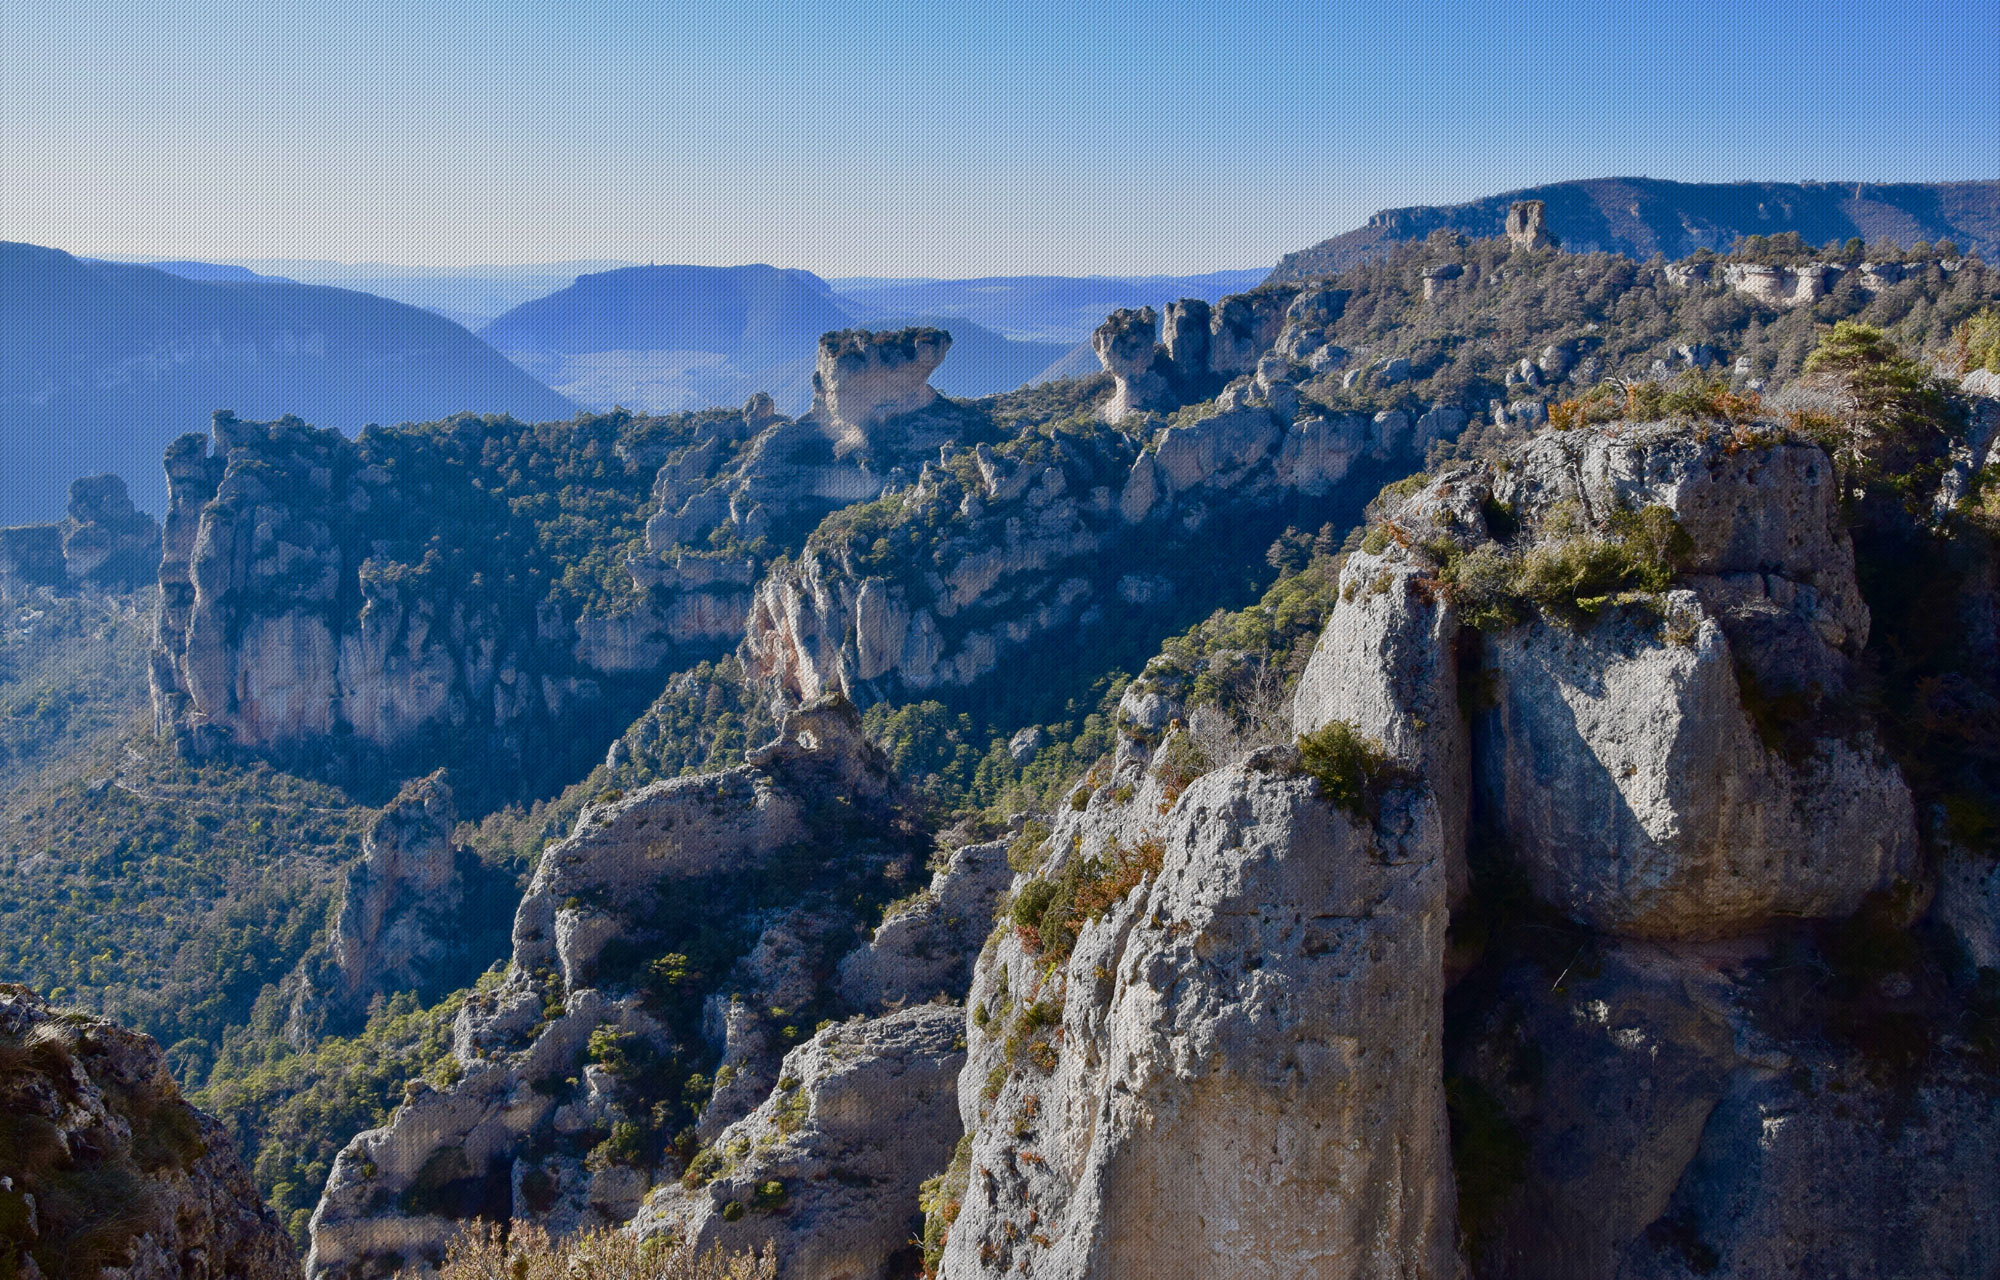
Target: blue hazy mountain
1640,217
215,271
102,364
473,296
667,338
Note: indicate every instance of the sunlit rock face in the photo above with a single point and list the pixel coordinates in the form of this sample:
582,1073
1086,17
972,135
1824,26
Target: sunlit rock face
1237,1069
863,379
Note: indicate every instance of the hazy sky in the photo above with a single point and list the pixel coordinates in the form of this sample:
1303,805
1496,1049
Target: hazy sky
953,138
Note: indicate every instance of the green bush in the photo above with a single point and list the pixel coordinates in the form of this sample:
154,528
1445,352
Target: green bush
1572,574
1353,770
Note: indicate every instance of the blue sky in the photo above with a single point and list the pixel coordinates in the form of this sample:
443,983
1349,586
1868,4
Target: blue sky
953,138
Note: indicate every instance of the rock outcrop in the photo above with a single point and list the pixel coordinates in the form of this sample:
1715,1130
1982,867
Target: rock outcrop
1528,225
1127,345
1779,285
995,549
864,379
1236,1068
105,1170
1643,1091
1205,346
400,915
104,543
665,957
348,601
826,1170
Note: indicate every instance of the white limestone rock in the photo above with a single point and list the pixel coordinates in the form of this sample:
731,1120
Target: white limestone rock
864,379
1237,1070
826,1170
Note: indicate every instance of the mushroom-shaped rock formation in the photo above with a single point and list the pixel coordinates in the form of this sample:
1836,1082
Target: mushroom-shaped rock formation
863,379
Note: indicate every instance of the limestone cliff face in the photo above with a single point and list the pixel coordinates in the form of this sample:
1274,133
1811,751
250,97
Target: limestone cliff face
287,618
1693,826
105,1170
399,917
1653,1080
1642,1083
666,956
1236,1069
411,595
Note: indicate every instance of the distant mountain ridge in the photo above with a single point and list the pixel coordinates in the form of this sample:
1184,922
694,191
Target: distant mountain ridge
673,338
1639,217
102,364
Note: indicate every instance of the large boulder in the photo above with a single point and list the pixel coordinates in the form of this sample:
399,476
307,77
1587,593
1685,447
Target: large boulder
826,1170
1640,796
1237,1069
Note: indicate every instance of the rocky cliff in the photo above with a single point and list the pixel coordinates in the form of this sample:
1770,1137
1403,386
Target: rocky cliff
996,549
667,957
1688,969
105,1172
416,595
412,595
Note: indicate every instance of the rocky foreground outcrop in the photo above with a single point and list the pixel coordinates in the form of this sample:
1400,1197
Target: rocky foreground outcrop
1236,1068
106,1172
1218,1037
826,1170
667,956
1621,760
